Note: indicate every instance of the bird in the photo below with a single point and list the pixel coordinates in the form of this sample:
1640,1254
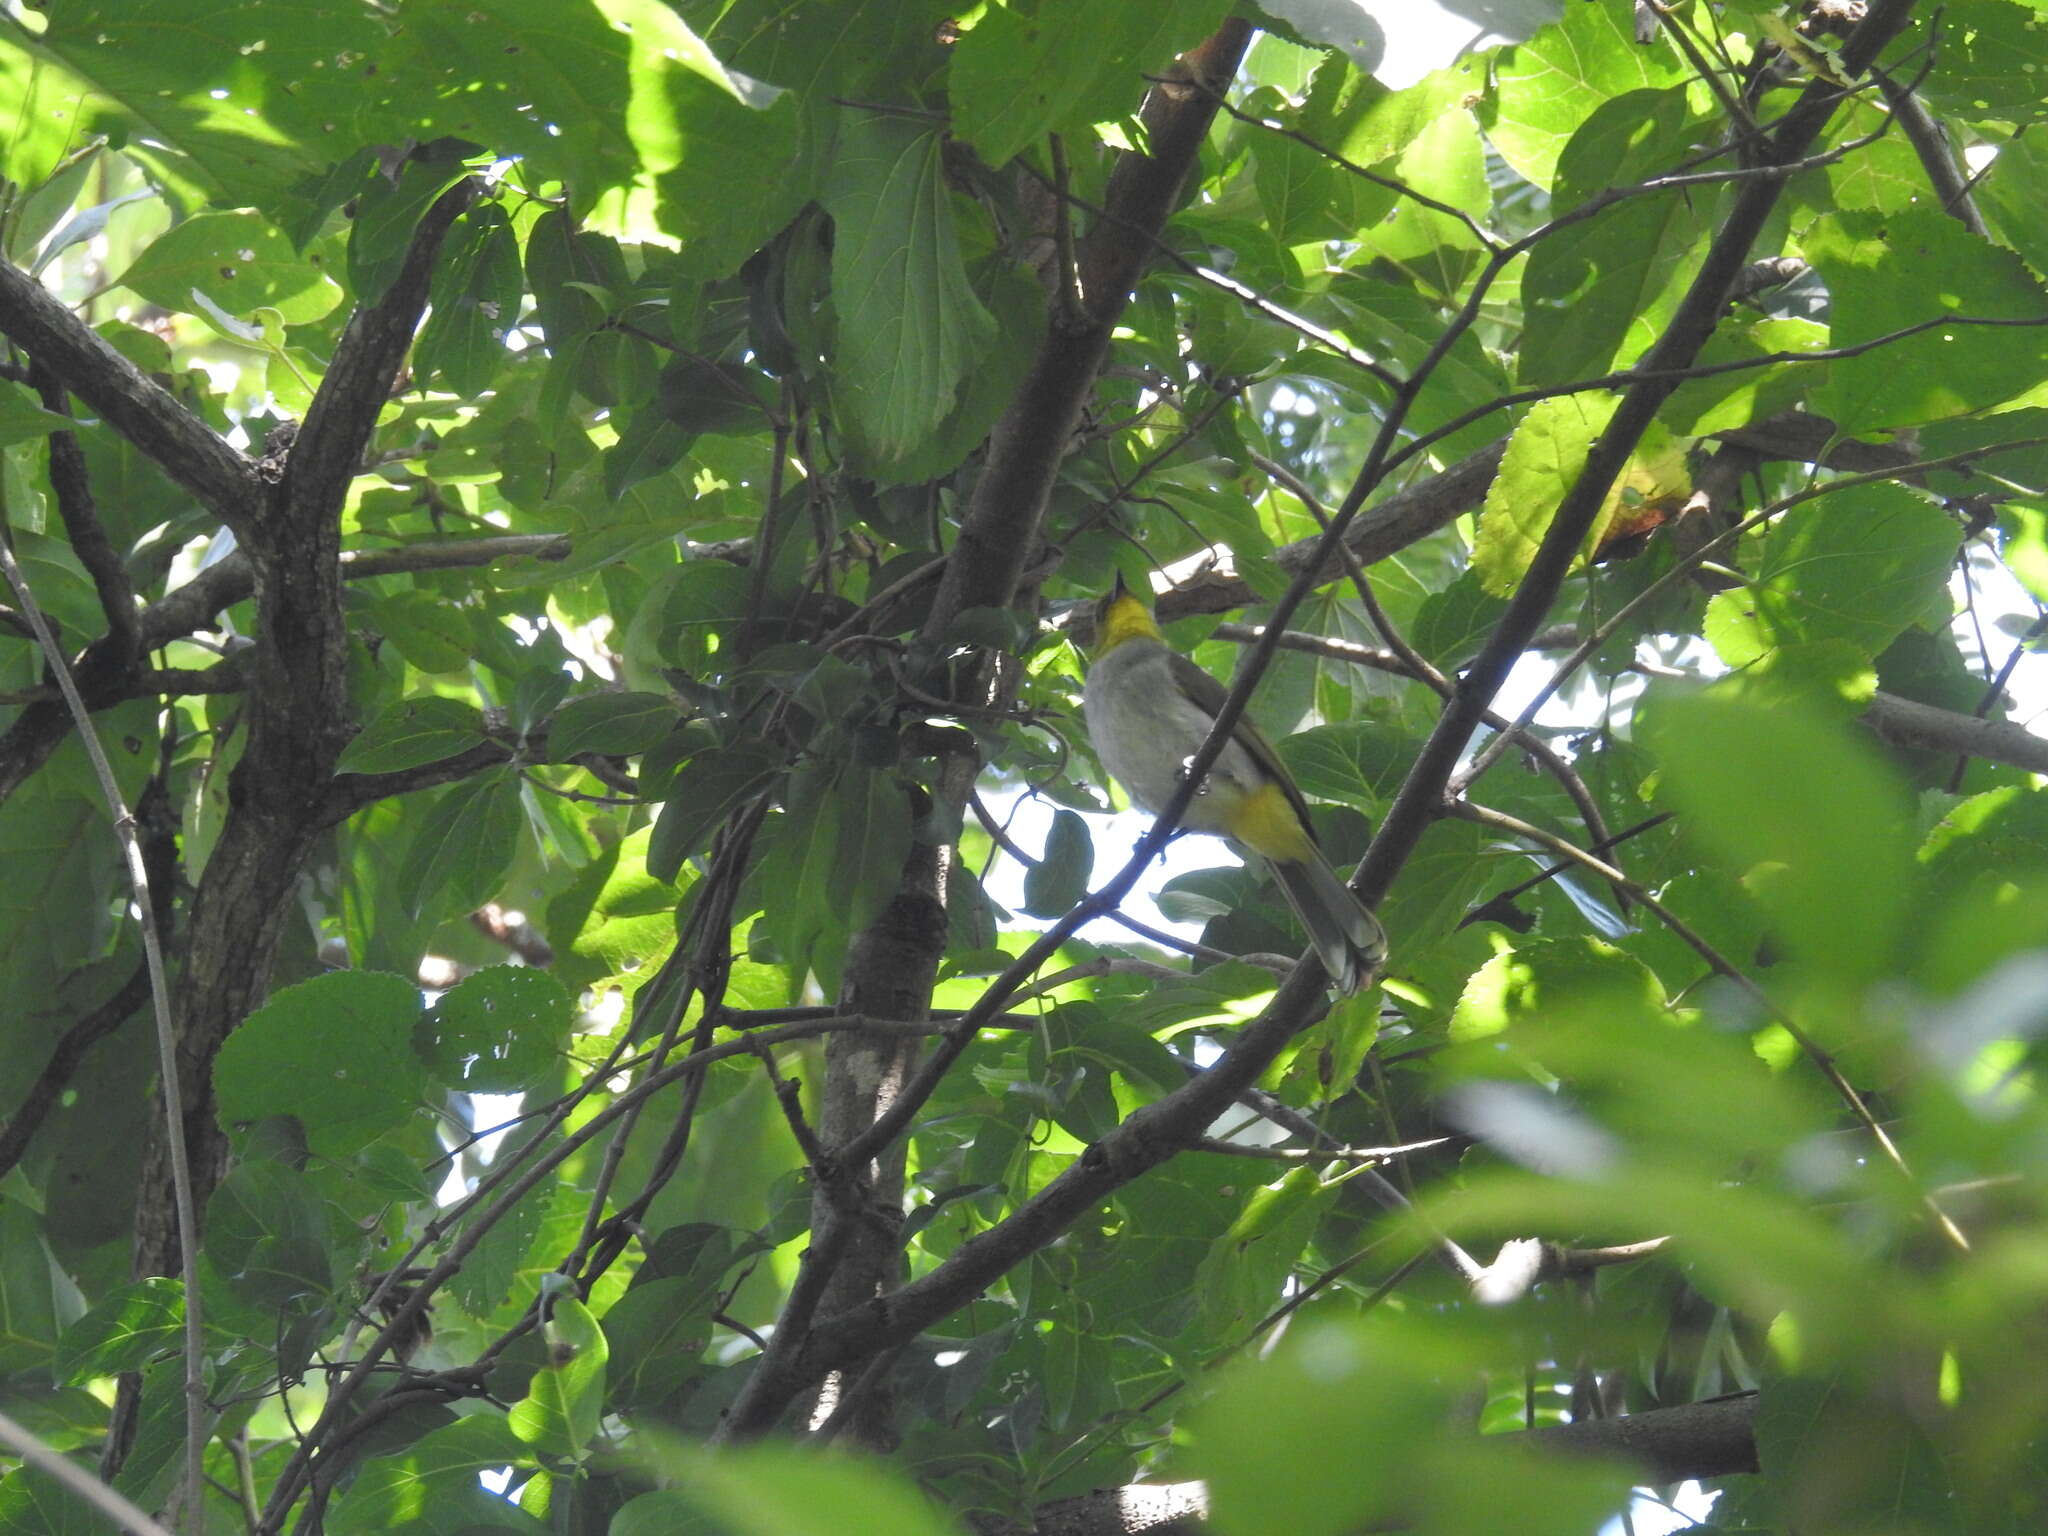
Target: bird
1149,709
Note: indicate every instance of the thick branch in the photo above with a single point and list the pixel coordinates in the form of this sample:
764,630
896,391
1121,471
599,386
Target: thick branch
1029,442
298,717
88,535
136,406
1906,723
1419,800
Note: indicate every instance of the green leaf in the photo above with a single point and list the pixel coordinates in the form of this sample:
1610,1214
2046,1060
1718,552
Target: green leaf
657,1332
728,173
1542,463
389,207
124,1330
1260,1442
460,853
1060,879
1348,112
22,417
616,922
431,1485
778,1490
615,724
1359,763
413,733
495,1263
31,1290
708,789
874,840
1991,58
242,106
33,1503
1816,824
335,1052
239,262
431,634
499,1030
1249,1264
267,1234
559,1414
1061,65
1860,566
910,325
1545,86
1598,293
1888,271
475,300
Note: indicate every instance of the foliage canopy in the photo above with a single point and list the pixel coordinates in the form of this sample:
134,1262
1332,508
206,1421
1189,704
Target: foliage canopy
571,523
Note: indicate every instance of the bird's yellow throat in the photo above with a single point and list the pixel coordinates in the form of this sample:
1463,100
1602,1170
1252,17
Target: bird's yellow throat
1122,616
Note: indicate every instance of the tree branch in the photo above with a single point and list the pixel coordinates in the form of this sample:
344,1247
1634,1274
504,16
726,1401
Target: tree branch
133,404
1419,799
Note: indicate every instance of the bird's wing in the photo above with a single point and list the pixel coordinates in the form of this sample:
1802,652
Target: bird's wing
1207,695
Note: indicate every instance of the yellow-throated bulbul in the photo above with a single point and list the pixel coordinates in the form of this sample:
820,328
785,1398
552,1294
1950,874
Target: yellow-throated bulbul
1149,710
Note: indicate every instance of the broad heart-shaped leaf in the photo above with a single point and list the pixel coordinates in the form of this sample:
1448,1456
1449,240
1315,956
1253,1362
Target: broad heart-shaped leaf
1991,58
1887,271
496,1031
727,174
124,1330
1860,566
388,210
431,1486
1060,66
909,324
1542,463
336,1052
615,923
411,734
611,723
1817,826
1546,84
1854,1461
475,302
559,1414
239,262
494,1264
658,1331
1306,195
460,853
266,1232
1597,293
1360,762
236,105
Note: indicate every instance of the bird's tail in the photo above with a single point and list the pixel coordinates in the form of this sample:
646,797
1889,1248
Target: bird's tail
1347,938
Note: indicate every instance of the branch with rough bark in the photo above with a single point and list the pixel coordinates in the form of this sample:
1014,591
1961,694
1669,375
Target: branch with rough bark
892,967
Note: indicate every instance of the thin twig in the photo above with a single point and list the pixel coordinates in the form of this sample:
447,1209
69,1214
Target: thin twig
88,1488
166,1038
